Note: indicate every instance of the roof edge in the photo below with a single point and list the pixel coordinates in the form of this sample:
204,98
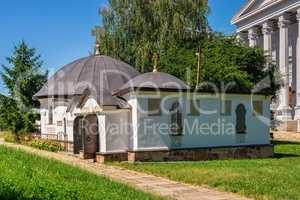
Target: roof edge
129,90
236,18
242,9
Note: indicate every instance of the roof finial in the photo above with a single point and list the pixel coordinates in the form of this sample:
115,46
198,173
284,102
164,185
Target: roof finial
155,58
97,49
97,32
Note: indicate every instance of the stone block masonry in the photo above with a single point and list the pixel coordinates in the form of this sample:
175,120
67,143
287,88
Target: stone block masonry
119,157
218,153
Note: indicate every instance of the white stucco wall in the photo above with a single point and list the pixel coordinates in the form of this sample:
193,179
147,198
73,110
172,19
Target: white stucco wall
114,126
118,131
122,130
152,132
56,129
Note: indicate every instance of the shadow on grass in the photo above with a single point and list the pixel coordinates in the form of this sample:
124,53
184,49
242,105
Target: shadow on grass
285,155
276,142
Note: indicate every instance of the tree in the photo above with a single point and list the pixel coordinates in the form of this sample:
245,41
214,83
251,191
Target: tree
134,31
227,61
23,77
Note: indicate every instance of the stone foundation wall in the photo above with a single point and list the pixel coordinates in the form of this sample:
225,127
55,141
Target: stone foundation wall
243,152
85,155
102,158
203,154
289,126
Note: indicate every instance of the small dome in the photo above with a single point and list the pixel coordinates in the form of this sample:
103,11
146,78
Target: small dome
155,80
97,73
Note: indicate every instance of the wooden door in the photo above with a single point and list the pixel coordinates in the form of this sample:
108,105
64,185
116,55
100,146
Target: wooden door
91,136
77,135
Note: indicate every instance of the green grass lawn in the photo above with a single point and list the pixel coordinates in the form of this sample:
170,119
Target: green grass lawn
24,176
276,178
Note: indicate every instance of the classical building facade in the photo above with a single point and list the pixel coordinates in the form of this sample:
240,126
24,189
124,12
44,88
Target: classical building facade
274,25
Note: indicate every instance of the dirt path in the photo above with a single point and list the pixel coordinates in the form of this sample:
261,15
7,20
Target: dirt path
148,183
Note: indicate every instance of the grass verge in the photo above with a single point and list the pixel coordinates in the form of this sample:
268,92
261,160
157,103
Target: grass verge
274,178
24,176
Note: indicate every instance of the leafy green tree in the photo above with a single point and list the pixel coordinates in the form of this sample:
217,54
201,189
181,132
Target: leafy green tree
136,30
23,77
226,61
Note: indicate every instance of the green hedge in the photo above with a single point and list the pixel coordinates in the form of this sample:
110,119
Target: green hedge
24,176
47,145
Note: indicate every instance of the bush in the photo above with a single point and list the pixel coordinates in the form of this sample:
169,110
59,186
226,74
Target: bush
47,145
9,137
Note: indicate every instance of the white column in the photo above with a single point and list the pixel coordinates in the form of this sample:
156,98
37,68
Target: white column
267,30
284,109
102,132
252,36
297,108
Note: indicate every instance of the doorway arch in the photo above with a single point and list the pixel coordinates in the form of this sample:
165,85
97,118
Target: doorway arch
77,135
90,131
241,126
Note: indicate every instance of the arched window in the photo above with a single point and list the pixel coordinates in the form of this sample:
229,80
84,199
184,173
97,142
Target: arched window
50,115
241,126
176,119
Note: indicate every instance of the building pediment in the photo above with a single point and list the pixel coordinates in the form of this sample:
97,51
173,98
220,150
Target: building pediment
252,7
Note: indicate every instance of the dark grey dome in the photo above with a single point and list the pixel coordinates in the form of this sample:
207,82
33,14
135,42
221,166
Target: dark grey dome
96,73
155,80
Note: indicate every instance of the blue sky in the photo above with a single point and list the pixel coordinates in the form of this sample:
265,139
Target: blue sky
61,29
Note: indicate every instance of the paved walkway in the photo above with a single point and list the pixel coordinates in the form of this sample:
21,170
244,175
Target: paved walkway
144,182
286,136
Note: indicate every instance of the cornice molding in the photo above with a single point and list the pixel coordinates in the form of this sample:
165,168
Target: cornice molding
273,15
298,14
267,27
237,18
284,21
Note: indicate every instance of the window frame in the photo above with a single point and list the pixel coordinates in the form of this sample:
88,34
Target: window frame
151,112
50,116
176,113
261,104
223,106
193,108
241,107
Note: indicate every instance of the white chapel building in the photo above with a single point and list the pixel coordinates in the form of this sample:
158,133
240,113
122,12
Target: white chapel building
103,109
274,25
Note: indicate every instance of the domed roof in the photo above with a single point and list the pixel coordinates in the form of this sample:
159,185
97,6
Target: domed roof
155,80
97,73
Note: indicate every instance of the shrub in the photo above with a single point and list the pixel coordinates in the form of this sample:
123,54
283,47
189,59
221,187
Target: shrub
9,137
47,145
